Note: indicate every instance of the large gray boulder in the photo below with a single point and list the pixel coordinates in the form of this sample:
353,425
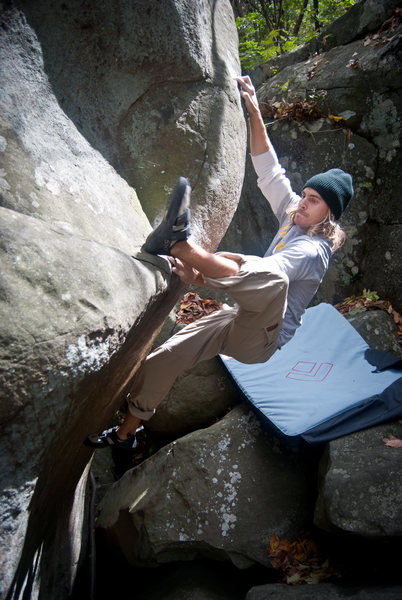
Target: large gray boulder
65,250
220,493
78,312
362,19
358,80
361,485
378,329
152,89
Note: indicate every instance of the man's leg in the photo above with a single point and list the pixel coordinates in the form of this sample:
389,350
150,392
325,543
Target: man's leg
211,341
249,332
198,341
210,265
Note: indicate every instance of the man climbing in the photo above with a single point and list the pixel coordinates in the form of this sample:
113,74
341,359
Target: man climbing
271,293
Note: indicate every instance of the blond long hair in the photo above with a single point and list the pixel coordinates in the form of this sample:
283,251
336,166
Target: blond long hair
327,228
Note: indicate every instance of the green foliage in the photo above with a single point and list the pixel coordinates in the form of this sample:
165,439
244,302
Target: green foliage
267,29
329,10
370,296
356,311
256,43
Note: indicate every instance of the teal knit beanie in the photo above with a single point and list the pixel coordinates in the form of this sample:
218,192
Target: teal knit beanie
335,187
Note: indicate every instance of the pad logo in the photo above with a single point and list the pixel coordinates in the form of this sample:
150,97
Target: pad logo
310,371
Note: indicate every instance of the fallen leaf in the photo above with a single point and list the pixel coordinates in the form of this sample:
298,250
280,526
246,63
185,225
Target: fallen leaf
299,561
393,23
392,441
193,307
292,579
354,63
369,301
293,111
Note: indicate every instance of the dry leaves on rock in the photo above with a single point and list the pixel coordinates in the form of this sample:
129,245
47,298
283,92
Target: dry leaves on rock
389,30
369,301
313,69
193,307
293,111
392,441
300,561
302,111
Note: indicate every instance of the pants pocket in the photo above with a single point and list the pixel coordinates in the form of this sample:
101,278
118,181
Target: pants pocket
249,345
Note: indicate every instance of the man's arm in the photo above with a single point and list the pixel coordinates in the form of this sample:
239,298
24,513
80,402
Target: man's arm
259,142
272,179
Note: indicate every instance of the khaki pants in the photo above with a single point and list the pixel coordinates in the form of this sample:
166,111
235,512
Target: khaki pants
248,332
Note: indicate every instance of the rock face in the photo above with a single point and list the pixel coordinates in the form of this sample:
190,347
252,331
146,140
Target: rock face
200,495
153,91
78,312
362,483
354,76
378,330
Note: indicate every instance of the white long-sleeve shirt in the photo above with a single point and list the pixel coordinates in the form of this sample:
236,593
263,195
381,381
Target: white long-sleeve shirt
304,259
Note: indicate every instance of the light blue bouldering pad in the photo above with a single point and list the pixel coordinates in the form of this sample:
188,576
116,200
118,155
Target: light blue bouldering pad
320,385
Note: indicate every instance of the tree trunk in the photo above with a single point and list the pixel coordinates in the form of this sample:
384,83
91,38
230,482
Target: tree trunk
316,21
300,18
265,13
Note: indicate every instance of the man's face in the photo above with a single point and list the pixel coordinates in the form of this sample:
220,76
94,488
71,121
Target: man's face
312,209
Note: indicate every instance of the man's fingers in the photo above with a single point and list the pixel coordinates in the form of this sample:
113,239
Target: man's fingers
245,83
247,79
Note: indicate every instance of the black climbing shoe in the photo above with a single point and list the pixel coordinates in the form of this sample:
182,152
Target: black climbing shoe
109,438
175,226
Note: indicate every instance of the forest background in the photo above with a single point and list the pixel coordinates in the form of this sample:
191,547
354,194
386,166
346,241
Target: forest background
271,27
